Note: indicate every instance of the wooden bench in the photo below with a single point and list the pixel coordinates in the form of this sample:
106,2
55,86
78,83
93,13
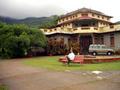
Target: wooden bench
77,59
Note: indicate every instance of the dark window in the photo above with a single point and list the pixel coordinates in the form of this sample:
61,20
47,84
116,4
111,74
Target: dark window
96,40
111,26
59,20
102,40
67,18
85,14
112,42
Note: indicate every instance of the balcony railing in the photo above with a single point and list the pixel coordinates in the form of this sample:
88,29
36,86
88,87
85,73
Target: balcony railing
82,29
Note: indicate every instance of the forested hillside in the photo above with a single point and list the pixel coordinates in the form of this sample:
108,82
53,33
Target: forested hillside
30,21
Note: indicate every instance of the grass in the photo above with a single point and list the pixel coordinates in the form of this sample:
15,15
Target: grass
3,87
52,63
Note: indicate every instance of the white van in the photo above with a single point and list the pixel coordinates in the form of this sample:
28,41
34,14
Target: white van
95,49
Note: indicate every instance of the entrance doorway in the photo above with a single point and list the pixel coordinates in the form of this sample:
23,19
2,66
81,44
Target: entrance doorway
84,43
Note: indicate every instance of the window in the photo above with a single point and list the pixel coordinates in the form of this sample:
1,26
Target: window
97,47
93,15
103,47
67,18
68,24
62,38
111,26
55,39
108,19
91,47
75,15
95,40
112,42
98,16
102,17
50,30
85,14
59,20
102,40
103,23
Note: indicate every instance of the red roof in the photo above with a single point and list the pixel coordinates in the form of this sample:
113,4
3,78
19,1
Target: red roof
85,10
81,19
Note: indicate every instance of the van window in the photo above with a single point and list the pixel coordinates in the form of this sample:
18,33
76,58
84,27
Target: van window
91,47
97,47
103,47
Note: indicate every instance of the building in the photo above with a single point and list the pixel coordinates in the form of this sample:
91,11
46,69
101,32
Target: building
86,26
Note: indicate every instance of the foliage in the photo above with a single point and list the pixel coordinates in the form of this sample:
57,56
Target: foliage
16,40
50,23
118,22
52,63
75,47
55,47
32,22
118,52
3,87
59,48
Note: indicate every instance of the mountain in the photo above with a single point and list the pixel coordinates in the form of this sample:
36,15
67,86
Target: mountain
29,21
9,20
118,22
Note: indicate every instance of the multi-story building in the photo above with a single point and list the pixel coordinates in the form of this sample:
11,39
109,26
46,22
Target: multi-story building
86,26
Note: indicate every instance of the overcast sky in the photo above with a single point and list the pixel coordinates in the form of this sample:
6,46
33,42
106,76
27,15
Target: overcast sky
39,8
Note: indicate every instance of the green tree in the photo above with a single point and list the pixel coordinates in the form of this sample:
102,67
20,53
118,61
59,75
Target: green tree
16,40
50,23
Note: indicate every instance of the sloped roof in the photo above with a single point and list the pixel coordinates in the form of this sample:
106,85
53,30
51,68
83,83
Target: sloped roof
81,19
85,10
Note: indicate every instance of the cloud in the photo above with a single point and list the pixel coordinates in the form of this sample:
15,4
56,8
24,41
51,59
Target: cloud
38,8
28,8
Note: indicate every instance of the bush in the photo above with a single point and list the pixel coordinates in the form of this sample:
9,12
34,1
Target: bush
118,51
3,87
16,40
59,48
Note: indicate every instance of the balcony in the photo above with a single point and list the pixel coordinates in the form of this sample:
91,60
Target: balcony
81,30
70,30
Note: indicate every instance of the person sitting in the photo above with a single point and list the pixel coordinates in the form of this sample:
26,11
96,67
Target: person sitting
70,57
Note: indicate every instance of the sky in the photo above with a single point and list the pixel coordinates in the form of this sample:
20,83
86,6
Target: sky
38,8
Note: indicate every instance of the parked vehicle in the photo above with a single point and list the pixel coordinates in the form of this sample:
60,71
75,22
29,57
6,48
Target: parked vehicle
95,49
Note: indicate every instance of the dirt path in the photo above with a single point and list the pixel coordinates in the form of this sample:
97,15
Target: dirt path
18,76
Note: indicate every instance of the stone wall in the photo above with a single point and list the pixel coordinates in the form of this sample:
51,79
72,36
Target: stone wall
116,40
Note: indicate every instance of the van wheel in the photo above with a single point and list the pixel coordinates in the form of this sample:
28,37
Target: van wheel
94,53
109,53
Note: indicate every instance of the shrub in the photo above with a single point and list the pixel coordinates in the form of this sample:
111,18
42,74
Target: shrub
16,40
59,48
118,51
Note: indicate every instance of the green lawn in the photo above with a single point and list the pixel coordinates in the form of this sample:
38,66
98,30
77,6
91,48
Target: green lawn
3,87
52,63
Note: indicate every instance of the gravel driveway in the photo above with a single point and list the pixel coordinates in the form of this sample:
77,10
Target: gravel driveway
17,76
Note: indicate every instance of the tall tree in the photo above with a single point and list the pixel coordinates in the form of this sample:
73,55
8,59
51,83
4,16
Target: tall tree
50,23
16,40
